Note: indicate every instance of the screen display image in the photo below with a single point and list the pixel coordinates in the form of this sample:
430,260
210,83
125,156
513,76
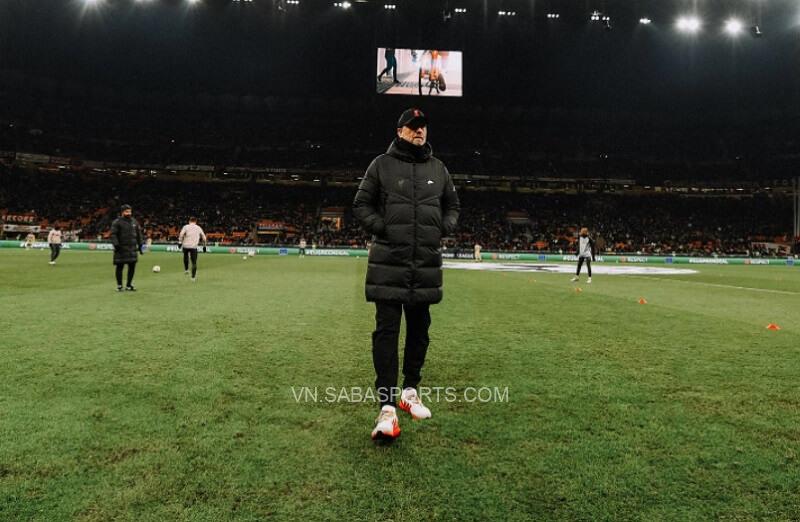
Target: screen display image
419,72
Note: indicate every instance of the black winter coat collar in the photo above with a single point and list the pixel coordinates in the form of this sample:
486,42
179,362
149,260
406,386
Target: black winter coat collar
408,152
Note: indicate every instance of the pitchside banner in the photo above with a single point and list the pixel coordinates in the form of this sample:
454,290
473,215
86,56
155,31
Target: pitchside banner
152,248
22,228
489,256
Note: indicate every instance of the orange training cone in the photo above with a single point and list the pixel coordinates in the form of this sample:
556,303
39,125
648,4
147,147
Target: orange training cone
642,300
773,326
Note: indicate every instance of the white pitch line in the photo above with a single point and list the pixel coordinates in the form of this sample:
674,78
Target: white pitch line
768,290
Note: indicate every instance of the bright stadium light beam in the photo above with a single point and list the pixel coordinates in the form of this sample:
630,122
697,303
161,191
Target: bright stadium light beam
688,24
734,26
90,6
645,21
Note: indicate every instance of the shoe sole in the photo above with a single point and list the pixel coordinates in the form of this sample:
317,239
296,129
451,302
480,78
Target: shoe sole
386,436
380,435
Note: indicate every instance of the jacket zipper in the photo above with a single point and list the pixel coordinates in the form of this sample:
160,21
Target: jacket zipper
414,243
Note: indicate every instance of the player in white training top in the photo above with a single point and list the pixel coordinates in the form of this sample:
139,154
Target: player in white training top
54,240
189,240
585,254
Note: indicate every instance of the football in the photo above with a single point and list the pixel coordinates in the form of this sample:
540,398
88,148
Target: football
156,269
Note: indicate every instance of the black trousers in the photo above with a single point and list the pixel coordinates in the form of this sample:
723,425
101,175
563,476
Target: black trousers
131,271
384,347
190,253
391,65
55,250
588,265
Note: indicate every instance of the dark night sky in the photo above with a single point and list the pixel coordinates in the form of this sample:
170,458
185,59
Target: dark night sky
253,48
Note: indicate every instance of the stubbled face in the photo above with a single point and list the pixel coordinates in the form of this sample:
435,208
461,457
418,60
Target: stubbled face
416,136
127,212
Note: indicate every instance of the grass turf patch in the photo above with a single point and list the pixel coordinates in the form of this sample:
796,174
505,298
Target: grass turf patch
176,402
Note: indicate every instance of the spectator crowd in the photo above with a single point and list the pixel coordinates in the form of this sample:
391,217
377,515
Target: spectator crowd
231,211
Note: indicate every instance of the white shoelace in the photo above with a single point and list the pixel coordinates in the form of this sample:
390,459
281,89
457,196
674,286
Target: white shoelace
413,398
385,416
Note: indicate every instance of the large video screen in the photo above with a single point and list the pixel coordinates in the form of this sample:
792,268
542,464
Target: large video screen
419,72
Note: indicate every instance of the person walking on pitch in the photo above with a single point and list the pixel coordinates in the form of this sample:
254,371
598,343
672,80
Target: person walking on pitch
408,202
54,240
188,241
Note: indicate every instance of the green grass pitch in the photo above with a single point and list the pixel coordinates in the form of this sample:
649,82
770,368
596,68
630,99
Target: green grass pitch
177,403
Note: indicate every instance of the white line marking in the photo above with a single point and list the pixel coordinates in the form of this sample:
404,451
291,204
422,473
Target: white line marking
718,285
560,268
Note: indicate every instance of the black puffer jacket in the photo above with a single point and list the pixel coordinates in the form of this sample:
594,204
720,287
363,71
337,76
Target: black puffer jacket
126,236
408,202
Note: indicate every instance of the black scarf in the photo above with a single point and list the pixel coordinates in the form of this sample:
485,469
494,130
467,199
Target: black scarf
412,152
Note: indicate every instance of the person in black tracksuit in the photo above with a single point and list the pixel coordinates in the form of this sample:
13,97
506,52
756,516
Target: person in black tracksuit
407,201
391,65
128,241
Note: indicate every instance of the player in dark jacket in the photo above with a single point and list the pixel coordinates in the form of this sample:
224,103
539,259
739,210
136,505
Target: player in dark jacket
128,241
407,200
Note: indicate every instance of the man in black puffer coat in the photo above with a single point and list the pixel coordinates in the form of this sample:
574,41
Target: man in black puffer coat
408,202
127,238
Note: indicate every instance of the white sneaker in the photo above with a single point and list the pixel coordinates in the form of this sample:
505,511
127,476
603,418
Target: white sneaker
576,278
589,280
194,280
386,425
52,262
185,272
410,402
